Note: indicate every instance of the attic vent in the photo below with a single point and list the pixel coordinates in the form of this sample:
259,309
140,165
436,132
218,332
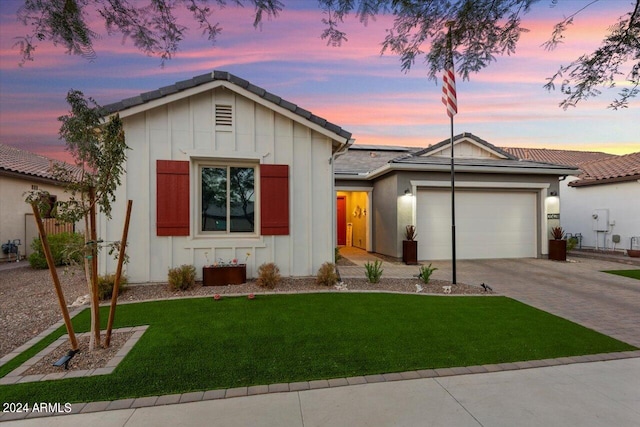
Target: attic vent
224,117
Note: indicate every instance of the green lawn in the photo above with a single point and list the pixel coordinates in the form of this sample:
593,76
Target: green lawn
201,344
634,274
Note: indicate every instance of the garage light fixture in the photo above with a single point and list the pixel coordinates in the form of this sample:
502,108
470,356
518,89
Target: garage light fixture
553,193
407,192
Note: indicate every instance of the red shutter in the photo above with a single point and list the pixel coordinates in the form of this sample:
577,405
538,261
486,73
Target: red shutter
274,200
172,198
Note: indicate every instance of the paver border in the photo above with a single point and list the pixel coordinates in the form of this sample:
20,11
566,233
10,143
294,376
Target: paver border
16,376
151,401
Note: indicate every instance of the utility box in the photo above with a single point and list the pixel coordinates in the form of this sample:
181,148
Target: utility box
600,220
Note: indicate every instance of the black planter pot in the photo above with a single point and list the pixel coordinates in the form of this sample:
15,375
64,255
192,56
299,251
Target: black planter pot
558,250
410,252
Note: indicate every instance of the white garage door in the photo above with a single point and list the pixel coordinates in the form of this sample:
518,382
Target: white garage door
489,224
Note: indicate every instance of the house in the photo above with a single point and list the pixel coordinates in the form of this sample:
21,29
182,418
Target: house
602,200
20,172
505,206
221,169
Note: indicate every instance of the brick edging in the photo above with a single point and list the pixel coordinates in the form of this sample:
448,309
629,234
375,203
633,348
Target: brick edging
197,396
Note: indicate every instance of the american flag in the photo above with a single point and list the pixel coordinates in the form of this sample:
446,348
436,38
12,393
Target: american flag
449,90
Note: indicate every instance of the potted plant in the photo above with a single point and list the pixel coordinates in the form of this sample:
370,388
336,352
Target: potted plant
222,273
410,246
557,245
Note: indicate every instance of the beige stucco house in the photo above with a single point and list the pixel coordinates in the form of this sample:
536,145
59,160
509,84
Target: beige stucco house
20,172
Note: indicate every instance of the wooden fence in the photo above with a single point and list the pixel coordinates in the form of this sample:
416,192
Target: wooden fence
55,226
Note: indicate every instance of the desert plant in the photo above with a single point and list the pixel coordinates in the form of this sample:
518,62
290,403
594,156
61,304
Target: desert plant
373,271
425,273
410,232
572,242
327,275
105,286
557,233
66,248
182,278
268,275
337,256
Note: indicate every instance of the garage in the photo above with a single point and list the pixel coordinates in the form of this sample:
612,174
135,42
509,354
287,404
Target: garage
489,224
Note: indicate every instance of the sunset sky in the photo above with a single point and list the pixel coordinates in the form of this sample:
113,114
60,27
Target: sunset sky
353,85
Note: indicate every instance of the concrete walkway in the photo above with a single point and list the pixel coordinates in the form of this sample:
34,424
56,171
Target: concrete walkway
586,394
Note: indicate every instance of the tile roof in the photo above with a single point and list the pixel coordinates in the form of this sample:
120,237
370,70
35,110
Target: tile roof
611,169
559,157
15,161
228,77
469,136
361,159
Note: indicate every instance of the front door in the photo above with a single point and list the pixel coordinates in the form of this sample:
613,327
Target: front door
341,220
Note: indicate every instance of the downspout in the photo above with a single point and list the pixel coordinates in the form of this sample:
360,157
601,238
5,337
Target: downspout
339,152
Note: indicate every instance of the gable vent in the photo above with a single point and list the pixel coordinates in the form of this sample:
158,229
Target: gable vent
224,116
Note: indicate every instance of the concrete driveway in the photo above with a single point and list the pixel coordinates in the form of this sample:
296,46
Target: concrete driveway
576,290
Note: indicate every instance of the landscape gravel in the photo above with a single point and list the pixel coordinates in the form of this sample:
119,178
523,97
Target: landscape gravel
28,303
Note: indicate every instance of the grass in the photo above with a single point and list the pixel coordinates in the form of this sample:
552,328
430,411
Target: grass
202,344
634,274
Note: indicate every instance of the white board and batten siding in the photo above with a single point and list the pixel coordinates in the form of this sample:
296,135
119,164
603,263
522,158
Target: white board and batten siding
185,130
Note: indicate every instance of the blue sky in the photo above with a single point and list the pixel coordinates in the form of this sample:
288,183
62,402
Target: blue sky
352,86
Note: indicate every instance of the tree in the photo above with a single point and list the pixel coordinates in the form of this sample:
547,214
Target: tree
99,148
482,30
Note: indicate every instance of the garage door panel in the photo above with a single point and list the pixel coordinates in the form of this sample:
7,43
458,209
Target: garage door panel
489,224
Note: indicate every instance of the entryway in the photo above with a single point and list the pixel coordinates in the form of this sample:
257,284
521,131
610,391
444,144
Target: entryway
353,219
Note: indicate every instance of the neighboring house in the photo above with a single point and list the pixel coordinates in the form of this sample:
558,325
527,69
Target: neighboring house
218,169
504,206
602,200
20,172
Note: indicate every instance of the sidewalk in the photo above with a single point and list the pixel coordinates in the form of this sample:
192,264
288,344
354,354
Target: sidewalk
584,394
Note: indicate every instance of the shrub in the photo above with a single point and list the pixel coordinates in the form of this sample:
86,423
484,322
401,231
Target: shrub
572,242
327,275
374,271
557,233
66,248
268,275
105,286
182,278
410,232
425,273
338,257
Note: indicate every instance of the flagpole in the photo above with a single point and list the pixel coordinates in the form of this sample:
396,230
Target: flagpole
453,212
453,174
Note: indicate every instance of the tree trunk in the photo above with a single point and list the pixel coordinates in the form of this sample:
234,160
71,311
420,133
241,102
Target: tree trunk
95,302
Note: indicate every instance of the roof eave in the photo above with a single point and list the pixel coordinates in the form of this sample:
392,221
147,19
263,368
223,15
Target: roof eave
617,179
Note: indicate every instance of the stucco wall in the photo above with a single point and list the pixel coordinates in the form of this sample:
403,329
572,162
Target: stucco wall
622,200
184,130
393,211
14,210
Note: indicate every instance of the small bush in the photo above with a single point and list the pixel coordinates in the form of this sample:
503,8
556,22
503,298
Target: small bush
374,271
268,275
66,248
425,273
572,242
337,256
327,275
182,278
105,286
557,233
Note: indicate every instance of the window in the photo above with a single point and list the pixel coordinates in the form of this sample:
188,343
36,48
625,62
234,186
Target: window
228,198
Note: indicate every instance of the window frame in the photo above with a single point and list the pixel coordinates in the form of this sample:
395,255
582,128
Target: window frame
256,199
